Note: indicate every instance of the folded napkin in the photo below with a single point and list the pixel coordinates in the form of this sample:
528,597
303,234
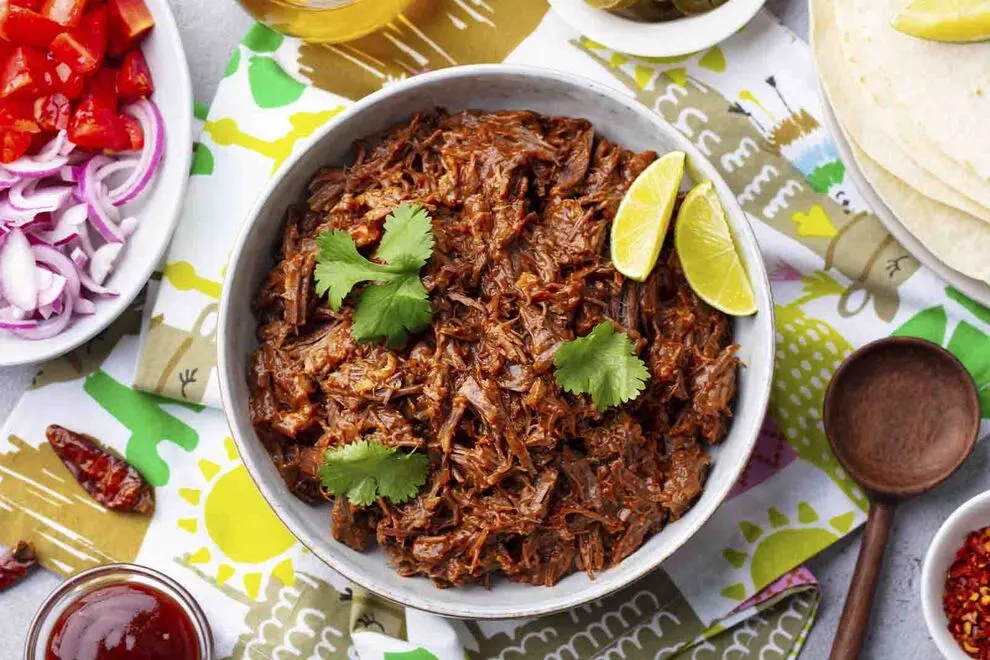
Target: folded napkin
735,590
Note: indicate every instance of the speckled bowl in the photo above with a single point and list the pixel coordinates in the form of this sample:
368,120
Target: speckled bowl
487,87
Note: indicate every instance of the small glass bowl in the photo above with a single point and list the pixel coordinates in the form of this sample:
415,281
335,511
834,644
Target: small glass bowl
104,576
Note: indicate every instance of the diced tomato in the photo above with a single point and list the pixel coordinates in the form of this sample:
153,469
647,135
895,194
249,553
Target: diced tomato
67,81
64,12
29,4
52,112
135,134
84,46
17,115
129,23
95,126
21,26
134,80
102,86
26,73
13,145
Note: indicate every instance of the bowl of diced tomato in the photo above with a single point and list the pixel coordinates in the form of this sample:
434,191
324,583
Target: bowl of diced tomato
95,148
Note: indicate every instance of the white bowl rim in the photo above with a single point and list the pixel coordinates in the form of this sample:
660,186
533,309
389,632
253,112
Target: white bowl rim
108,310
682,36
599,588
950,535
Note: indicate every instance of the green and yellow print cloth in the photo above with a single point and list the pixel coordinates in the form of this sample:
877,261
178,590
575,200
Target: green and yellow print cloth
147,386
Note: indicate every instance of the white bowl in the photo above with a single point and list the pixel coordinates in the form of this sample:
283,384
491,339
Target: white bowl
487,87
971,516
665,39
157,209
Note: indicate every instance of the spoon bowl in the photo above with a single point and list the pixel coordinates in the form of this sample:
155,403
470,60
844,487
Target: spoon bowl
901,415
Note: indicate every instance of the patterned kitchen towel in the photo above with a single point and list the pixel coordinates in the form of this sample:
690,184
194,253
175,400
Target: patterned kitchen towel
734,591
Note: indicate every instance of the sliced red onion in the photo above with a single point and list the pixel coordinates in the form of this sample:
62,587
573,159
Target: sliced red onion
79,258
103,260
73,215
102,215
12,318
113,167
85,306
51,327
25,196
18,278
61,265
33,169
53,148
128,226
7,179
16,217
48,295
94,288
153,125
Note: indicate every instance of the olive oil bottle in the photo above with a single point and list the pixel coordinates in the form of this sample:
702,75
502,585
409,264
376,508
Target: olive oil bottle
325,20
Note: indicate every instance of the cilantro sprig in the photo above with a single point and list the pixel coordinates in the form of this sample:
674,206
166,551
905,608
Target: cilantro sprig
396,303
363,471
603,364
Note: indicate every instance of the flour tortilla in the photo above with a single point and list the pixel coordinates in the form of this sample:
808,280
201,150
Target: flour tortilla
957,239
933,98
852,108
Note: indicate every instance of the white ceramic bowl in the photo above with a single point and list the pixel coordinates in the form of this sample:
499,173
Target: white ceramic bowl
487,87
667,39
972,515
157,210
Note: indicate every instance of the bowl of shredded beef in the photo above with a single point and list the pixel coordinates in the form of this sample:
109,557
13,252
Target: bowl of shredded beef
535,500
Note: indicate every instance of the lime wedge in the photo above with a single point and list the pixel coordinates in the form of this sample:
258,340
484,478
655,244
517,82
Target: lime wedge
644,215
945,20
708,254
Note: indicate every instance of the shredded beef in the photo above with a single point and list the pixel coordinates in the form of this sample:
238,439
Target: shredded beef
527,481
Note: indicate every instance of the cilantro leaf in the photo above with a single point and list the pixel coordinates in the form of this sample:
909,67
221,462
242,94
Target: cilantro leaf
363,471
340,266
603,364
396,303
390,310
408,238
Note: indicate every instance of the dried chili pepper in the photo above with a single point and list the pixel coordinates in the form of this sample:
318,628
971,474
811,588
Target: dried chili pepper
966,599
15,563
104,473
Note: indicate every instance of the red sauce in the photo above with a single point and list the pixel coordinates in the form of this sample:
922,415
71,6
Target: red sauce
124,622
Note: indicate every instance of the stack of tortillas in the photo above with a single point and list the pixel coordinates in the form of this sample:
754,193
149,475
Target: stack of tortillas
916,115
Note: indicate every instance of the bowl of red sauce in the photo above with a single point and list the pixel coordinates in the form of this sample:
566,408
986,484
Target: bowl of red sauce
955,582
120,612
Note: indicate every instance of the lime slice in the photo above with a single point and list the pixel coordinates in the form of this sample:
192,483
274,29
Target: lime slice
708,254
644,215
945,20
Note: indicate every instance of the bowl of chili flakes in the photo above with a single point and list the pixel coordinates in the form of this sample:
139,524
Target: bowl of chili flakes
955,582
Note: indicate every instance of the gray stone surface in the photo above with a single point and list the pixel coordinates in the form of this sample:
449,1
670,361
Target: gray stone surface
209,31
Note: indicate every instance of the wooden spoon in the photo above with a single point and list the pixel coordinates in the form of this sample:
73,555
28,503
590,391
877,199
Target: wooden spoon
901,415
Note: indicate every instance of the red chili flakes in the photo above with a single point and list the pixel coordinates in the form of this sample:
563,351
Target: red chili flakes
966,599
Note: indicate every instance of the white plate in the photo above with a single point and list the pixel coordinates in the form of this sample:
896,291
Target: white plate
975,289
487,87
667,39
157,210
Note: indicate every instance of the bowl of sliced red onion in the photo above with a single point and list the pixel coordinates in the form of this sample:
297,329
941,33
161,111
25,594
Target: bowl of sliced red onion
87,208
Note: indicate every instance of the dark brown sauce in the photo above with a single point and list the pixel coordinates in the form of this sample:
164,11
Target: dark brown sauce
124,622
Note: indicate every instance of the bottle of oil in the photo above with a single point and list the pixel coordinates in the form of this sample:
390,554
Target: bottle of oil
325,20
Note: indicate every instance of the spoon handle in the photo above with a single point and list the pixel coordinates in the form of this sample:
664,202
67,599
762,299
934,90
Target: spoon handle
859,600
